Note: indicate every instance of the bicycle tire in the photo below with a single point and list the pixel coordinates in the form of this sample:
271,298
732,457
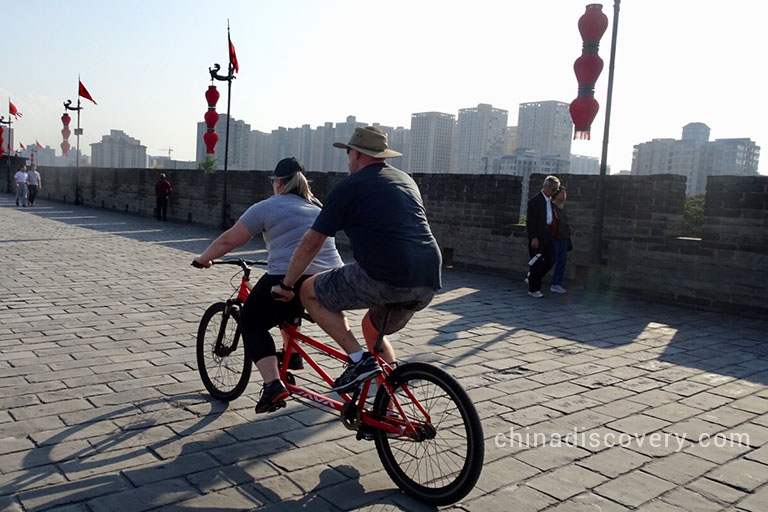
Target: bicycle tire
425,381
224,376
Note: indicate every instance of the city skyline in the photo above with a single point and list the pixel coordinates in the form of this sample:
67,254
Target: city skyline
303,63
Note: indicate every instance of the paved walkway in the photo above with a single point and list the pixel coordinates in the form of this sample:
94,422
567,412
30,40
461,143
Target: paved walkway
588,403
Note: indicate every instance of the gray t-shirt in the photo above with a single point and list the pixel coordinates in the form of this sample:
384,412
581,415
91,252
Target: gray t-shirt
33,177
283,219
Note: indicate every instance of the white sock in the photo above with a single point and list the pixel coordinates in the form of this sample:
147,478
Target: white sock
357,356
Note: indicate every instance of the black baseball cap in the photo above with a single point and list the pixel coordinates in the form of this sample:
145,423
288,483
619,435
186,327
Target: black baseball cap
286,168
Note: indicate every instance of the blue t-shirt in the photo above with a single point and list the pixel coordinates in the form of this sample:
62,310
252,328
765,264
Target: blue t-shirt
381,211
283,219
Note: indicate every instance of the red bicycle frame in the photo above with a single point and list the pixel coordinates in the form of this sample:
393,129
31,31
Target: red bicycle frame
398,424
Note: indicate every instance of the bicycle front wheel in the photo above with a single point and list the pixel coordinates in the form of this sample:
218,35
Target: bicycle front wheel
443,465
224,367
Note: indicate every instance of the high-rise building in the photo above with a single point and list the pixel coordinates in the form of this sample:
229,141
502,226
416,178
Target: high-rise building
581,164
258,151
511,140
481,134
431,142
545,127
321,155
696,157
400,141
119,150
238,158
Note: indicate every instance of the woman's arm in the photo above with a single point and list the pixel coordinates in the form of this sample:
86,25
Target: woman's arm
236,236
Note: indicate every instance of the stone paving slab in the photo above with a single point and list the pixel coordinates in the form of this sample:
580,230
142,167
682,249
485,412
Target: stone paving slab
588,402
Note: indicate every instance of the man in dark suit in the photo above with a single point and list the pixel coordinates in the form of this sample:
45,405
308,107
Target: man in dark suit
538,222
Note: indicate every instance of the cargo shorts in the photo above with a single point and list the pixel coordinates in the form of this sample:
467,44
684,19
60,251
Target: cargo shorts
350,287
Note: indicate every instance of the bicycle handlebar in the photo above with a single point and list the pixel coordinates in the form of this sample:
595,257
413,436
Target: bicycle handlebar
244,264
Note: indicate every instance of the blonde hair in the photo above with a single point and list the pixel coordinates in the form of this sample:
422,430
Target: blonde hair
298,184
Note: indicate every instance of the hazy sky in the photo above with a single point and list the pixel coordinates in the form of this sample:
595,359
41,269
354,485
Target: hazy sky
146,64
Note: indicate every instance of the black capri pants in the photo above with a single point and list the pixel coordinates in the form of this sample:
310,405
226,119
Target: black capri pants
261,313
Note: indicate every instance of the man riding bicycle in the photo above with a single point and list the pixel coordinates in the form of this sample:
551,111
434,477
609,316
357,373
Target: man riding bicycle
397,257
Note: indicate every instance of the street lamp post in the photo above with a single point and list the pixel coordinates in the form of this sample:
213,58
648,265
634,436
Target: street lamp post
78,132
600,206
228,78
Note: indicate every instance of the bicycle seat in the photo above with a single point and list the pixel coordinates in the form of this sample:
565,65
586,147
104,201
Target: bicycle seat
411,305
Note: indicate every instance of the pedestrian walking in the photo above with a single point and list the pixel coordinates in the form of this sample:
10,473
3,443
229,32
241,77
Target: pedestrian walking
562,240
162,193
20,179
35,185
541,225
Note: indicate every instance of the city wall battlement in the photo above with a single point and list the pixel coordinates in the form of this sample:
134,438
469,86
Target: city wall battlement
476,221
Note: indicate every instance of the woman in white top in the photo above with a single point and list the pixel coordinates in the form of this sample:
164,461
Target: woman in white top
282,219
20,178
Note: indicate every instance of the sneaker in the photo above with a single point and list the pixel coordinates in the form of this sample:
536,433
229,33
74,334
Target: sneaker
296,362
272,397
536,294
357,373
557,288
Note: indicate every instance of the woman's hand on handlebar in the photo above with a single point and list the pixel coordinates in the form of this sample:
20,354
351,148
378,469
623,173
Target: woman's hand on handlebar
197,264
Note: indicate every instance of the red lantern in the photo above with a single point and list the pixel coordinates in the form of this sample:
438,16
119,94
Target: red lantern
583,112
65,132
210,138
211,118
593,23
212,96
587,68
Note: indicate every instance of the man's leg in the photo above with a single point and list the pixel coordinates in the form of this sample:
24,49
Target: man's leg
332,322
371,334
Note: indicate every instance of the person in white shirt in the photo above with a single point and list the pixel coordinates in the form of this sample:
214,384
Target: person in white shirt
20,178
35,184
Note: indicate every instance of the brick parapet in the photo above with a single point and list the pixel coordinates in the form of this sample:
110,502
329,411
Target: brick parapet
476,221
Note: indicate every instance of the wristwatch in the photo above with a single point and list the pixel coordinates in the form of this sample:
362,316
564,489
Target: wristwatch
284,286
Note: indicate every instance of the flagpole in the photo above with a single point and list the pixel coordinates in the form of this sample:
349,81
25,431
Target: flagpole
229,77
8,122
10,127
77,130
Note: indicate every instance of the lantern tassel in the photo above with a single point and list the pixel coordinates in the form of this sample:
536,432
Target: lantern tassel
581,135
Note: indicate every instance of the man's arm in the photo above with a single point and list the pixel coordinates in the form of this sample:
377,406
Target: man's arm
305,252
310,245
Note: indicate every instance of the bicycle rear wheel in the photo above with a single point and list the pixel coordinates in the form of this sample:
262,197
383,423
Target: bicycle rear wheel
224,369
443,466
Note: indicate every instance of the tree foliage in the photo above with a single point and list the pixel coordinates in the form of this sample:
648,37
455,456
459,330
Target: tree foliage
693,215
208,165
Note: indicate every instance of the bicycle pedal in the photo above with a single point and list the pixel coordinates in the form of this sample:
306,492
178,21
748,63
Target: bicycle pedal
361,436
276,406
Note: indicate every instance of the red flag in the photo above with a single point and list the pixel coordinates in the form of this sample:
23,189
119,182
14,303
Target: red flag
232,56
13,110
22,145
38,144
85,94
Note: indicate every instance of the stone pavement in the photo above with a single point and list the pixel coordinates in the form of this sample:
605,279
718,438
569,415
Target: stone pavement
588,402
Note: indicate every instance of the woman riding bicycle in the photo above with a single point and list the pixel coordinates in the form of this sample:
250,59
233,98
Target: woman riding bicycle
282,220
